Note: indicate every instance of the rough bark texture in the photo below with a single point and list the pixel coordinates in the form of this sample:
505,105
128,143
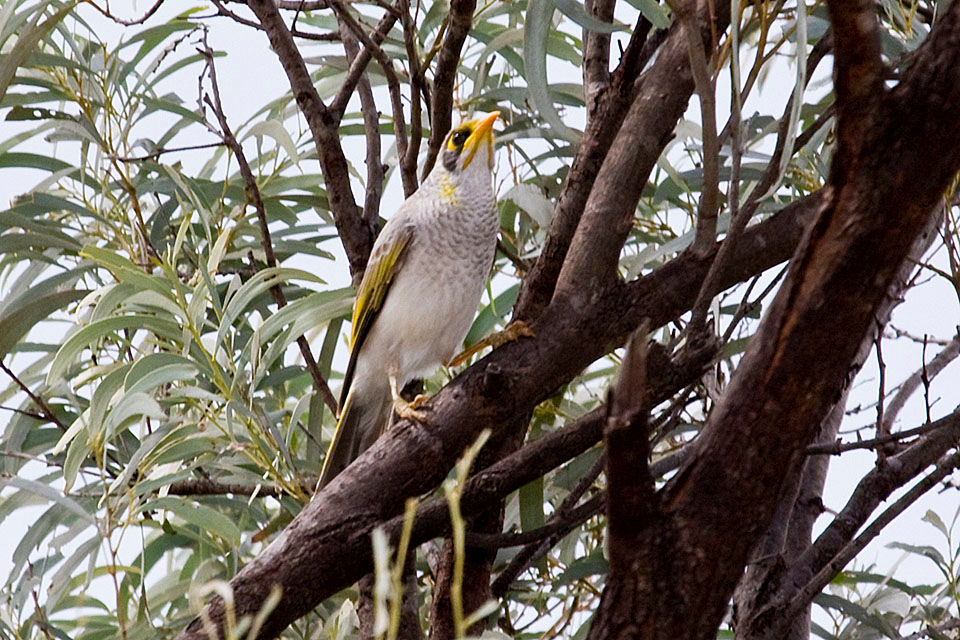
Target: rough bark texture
882,188
789,536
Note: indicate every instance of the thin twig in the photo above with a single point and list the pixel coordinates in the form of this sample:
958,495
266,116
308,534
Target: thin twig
254,197
356,236
128,23
927,372
836,448
882,431
48,414
418,89
222,11
156,154
359,63
571,519
804,596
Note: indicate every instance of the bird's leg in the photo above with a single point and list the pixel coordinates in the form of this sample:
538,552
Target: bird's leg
403,408
515,330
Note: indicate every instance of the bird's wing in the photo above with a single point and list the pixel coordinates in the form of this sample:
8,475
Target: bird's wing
385,261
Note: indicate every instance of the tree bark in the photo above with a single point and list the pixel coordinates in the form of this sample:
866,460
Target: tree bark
790,535
882,187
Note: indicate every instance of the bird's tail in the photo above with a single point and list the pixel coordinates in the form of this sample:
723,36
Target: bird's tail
363,418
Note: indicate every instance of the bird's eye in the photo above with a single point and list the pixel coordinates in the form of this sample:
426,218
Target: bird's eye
460,137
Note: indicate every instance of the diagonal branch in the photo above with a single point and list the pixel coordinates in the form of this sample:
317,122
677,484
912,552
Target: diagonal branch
349,32
944,467
46,412
356,236
253,196
330,536
359,63
459,21
878,202
592,261
538,286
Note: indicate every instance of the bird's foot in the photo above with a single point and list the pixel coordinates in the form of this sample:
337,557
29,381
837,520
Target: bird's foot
409,409
405,408
514,331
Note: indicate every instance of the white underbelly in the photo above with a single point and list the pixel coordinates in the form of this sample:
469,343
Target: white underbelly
422,324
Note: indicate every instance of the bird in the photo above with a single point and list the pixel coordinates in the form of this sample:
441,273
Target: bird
420,291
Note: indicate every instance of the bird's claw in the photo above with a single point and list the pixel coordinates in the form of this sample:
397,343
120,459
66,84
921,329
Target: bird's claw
513,331
409,410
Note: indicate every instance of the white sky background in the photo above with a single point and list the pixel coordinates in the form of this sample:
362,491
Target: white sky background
250,75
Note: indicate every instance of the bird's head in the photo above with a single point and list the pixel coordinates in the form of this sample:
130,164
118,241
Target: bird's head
468,149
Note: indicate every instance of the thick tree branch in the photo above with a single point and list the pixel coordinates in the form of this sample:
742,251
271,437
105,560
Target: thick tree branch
858,81
882,190
539,284
593,257
631,498
790,534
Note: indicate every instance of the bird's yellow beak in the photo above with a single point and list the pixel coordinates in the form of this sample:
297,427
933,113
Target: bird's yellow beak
482,133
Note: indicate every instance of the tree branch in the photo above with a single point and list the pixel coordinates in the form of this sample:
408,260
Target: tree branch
445,74
944,467
252,192
538,286
593,257
356,236
349,33
878,203
47,413
596,54
359,63
929,371
329,536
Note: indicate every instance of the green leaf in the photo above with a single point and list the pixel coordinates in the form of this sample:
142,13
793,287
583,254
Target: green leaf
536,31
126,271
48,492
260,282
156,369
275,129
207,519
95,331
17,322
857,612
934,519
594,564
653,12
27,44
576,12
921,550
